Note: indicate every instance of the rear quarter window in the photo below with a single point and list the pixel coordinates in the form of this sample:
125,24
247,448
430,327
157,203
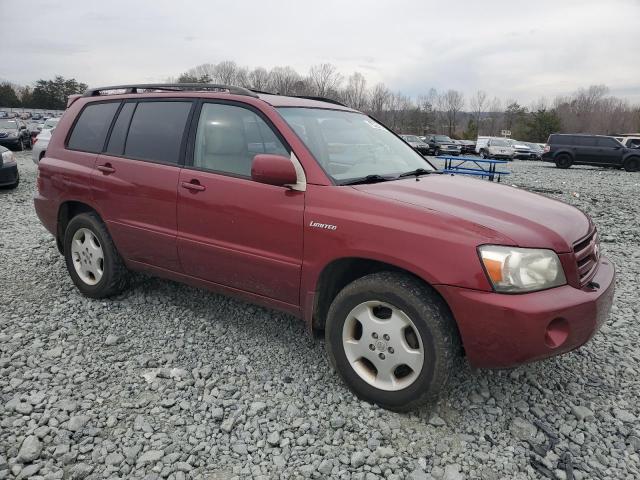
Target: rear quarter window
92,126
607,142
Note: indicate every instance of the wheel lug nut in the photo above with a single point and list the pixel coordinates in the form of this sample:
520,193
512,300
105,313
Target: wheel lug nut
374,335
386,337
381,355
390,350
372,346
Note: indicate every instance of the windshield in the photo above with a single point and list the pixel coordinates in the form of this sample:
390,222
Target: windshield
411,138
52,122
350,145
499,143
8,124
443,138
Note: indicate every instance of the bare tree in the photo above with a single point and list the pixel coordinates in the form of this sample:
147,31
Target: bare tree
259,78
454,102
282,80
379,100
355,94
478,102
324,77
226,72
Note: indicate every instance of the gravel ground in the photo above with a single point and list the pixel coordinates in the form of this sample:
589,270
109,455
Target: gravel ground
168,381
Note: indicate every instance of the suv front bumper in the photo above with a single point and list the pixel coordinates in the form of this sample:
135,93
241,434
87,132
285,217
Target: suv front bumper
501,330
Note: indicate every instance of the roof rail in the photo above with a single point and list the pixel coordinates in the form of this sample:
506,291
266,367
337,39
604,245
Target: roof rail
320,99
170,87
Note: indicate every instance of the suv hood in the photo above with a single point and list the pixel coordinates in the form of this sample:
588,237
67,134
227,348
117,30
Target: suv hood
528,219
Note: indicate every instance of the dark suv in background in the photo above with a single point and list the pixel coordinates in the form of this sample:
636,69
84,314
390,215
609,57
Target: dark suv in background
567,150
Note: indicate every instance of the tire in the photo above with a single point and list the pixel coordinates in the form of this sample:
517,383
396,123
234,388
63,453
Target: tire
114,276
563,161
483,154
632,164
14,185
432,333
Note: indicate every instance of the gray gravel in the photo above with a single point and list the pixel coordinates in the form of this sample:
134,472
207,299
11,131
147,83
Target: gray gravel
167,381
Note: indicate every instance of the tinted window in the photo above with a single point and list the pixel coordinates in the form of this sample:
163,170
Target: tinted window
585,141
608,142
560,140
119,131
633,142
156,131
228,138
92,126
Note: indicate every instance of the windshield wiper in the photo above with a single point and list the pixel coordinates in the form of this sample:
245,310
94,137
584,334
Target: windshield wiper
368,179
417,172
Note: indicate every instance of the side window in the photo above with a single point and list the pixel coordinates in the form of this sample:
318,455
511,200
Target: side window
633,142
156,131
586,141
228,137
119,131
90,130
607,142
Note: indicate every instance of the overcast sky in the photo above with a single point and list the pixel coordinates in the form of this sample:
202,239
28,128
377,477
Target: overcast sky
511,49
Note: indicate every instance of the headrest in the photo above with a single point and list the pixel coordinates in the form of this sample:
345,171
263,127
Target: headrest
225,136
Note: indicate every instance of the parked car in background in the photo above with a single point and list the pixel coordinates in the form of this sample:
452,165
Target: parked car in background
467,146
416,143
50,123
3,114
566,150
536,150
443,145
40,145
630,140
521,151
9,176
498,148
14,134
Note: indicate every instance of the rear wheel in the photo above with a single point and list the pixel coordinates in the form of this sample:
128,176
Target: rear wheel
92,259
632,164
563,161
392,340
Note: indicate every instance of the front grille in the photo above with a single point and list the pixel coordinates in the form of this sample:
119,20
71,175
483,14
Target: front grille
587,254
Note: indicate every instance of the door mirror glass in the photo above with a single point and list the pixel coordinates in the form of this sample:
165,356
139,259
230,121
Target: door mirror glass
273,170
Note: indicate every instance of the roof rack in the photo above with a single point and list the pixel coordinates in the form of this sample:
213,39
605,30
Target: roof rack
170,87
320,99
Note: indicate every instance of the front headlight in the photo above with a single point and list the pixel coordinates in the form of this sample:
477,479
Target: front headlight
517,270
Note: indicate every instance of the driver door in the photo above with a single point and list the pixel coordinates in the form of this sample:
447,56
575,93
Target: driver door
231,230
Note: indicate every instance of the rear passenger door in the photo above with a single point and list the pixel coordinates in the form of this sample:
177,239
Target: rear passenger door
231,230
135,179
586,149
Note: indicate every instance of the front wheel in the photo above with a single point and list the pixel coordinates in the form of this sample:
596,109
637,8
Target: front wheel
392,340
92,259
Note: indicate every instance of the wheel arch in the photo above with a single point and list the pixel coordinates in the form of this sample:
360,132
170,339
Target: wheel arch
66,211
340,272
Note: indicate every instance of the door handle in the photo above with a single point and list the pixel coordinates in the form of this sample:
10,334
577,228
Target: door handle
193,185
106,168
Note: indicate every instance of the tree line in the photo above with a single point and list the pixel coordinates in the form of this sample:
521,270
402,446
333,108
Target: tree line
45,94
588,110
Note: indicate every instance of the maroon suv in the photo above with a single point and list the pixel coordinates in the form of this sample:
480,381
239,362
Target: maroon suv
316,209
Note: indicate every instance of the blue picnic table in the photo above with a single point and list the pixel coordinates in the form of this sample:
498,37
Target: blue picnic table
474,166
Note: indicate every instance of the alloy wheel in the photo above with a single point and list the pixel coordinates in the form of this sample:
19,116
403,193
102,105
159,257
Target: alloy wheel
88,256
383,345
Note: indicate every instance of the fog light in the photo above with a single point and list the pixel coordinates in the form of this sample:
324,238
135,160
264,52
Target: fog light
557,333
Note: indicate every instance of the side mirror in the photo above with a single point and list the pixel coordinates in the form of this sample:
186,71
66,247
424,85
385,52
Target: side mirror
273,170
